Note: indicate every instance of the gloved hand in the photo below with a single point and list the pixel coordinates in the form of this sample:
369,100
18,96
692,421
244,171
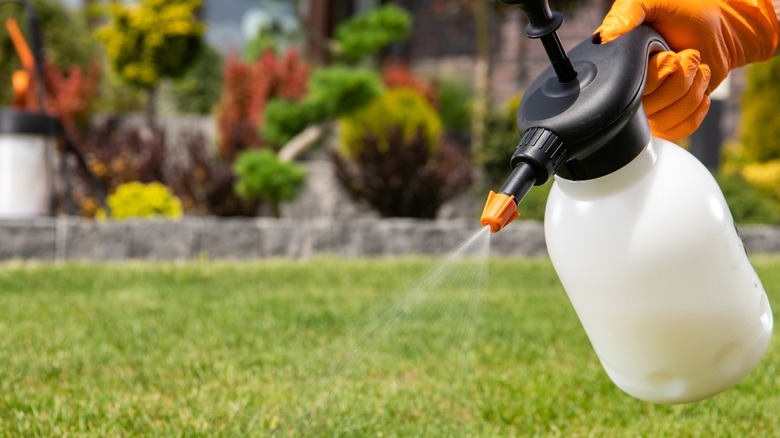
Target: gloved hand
723,35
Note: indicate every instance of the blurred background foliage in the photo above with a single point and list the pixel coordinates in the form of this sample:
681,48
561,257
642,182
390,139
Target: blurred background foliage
68,41
377,116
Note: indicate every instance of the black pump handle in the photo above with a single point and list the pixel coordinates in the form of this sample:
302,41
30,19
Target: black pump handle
539,15
542,24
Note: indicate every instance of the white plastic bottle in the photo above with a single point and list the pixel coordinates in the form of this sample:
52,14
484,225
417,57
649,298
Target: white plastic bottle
652,263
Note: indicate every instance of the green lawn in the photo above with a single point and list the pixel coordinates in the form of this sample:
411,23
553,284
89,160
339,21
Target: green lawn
328,347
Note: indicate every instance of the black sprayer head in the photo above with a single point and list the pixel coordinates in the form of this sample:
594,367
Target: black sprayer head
581,118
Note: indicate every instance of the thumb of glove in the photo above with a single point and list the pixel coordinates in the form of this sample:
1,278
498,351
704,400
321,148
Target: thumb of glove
624,16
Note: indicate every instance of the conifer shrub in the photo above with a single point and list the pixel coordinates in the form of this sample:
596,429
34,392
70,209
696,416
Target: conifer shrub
333,92
391,156
455,105
341,88
403,111
199,89
153,39
261,175
366,34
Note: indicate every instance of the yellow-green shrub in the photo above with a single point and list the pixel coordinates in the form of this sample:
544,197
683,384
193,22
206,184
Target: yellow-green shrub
764,176
397,110
139,200
760,117
153,39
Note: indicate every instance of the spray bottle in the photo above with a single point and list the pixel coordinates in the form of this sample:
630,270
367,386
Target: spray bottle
637,229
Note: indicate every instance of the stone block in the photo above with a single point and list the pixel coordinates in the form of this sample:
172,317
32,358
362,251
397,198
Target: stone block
283,239
229,239
334,237
398,235
159,239
28,239
92,240
519,239
760,239
440,237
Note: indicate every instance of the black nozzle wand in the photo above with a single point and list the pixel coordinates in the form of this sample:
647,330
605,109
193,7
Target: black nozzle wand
520,181
542,24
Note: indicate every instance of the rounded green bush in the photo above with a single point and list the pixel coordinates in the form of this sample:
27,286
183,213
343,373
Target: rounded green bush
263,176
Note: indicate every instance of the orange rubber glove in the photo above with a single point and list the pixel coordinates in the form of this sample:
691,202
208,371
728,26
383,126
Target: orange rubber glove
709,38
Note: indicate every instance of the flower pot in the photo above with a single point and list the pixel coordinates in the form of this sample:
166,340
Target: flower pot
27,142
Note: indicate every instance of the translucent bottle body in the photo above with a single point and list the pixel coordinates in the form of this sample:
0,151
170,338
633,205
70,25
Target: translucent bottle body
658,276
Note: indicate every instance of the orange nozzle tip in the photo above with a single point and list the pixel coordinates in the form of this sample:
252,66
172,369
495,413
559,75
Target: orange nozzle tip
500,210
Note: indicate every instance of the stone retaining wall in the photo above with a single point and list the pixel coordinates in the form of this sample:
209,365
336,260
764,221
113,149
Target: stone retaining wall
66,238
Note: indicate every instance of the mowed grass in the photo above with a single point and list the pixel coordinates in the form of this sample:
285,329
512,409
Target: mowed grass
328,347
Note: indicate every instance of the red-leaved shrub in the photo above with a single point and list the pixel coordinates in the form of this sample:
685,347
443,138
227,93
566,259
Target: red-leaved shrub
247,87
396,75
70,96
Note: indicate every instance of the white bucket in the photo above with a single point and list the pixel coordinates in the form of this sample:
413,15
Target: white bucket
26,148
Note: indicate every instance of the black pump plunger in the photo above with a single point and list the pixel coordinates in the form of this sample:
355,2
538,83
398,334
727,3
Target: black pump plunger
542,24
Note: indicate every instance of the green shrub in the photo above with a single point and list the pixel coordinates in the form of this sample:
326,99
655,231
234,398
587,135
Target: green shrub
198,91
283,119
262,175
343,90
455,104
501,140
371,32
339,90
764,177
117,96
760,117
139,200
748,204
400,110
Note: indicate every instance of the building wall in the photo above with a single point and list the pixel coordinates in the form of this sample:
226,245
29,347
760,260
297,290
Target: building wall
443,42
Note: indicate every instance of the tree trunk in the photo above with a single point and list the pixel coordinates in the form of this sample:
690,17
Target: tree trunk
150,112
303,141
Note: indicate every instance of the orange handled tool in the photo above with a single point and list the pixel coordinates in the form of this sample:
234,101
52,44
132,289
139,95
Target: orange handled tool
20,80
